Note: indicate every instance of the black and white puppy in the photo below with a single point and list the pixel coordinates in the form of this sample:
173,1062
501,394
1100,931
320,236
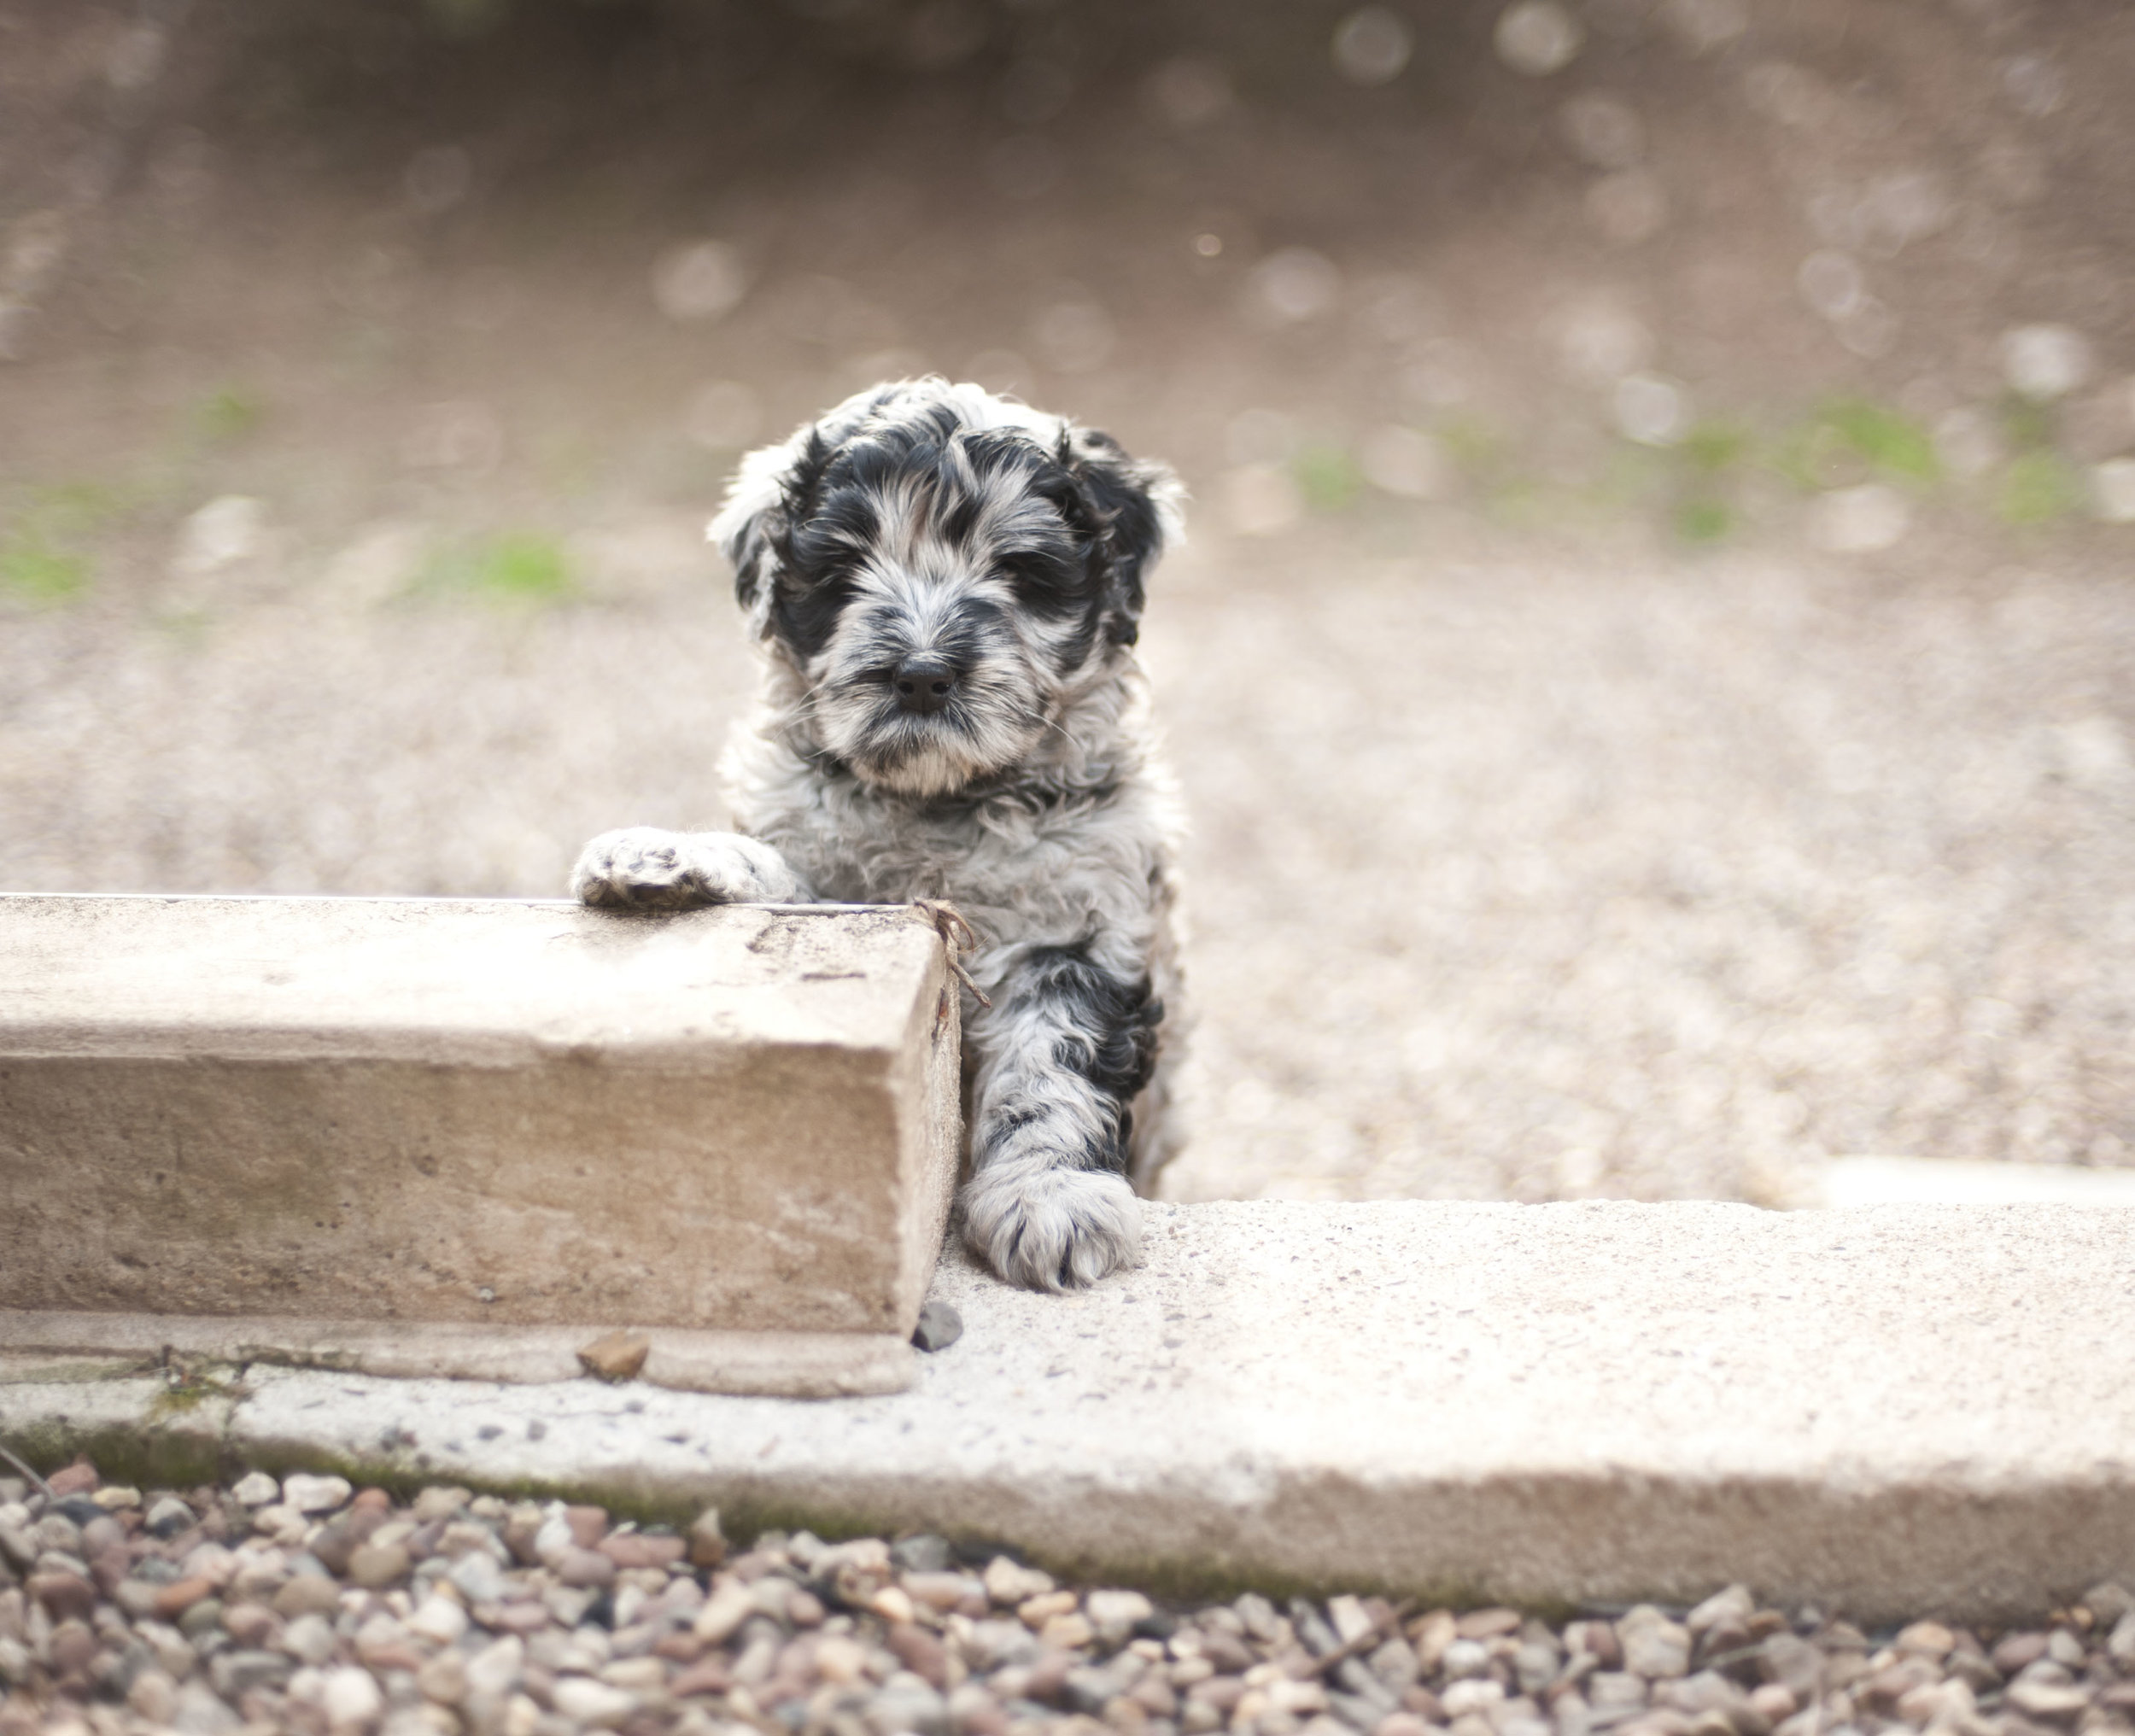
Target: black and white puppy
946,587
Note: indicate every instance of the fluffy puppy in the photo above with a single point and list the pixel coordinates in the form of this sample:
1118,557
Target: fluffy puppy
946,586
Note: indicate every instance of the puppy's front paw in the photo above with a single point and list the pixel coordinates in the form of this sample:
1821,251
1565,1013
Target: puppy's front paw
639,867
1053,1229
642,868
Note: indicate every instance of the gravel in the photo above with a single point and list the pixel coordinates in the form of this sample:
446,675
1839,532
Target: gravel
495,1618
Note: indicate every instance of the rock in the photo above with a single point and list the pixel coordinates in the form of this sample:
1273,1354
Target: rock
1034,1612
351,1697
307,1594
1007,1581
925,1554
200,1714
236,1672
1113,1613
2120,1645
587,1525
729,1605
616,1356
1463,1658
640,1675
496,1669
79,1478
375,1566
257,1490
439,1502
63,1594
202,1619
1471,1694
438,1618
1654,1646
2108,1602
252,1626
592,1703
907,1706
709,1677
636,1549
2052,1702
584,1567
167,1517
480,1579
2016,1652
153,1696
921,1652
70,1647
444,1678
1734,1605
707,1542
310,1639
312,1495
1927,1639
136,1597
939,1326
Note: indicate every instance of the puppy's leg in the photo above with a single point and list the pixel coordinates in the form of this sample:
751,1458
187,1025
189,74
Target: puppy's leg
642,868
1067,1045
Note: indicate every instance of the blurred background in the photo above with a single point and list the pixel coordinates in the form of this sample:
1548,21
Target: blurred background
1651,669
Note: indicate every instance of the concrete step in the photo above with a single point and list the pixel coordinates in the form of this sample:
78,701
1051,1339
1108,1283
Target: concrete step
467,1137
1885,1412
1930,1181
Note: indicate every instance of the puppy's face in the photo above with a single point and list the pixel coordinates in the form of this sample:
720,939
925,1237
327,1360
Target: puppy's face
946,573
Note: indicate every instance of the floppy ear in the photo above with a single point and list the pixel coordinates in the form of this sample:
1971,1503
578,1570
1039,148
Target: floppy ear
1135,514
775,489
749,523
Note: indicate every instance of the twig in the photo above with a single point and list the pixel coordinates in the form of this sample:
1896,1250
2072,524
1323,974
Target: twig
956,935
43,1488
1370,1640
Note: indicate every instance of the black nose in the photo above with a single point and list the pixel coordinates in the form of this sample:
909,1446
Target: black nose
922,684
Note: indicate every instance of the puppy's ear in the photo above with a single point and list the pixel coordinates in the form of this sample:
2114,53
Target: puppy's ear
773,488
1135,513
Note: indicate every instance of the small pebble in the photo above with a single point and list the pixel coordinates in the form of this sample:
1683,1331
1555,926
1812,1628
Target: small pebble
616,1356
257,1490
939,1326
79,1478
312,1495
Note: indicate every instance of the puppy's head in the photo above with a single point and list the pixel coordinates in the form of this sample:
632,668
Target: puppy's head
946,572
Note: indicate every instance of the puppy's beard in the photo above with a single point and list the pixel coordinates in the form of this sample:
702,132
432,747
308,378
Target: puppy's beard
992,725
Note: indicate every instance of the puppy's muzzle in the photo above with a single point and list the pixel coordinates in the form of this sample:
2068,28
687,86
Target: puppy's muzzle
923,683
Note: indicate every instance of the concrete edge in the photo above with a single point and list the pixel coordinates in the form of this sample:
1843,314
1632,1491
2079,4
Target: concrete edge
775,1365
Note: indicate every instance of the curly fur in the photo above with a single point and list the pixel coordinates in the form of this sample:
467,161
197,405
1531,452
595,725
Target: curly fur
929,527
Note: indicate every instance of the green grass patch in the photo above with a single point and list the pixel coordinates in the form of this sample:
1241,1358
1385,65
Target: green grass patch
1857,439
2037,487
44,553
1703,520
228,413
42,573
514,566
1328,477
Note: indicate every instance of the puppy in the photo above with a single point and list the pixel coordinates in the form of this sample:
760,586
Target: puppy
946,587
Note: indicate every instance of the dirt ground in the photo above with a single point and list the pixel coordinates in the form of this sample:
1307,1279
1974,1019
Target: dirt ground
1649,672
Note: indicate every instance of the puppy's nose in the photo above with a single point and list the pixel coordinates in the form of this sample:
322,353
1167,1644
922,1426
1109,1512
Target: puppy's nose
922,684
